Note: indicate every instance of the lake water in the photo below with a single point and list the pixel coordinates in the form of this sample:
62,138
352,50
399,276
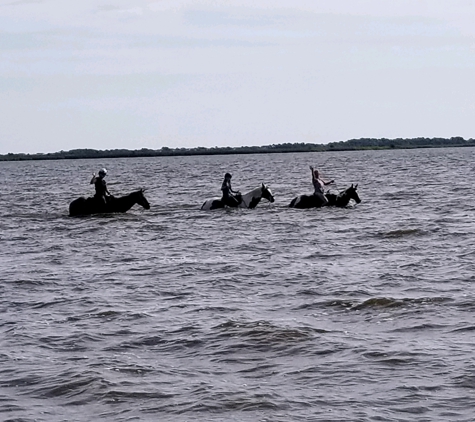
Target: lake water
274,314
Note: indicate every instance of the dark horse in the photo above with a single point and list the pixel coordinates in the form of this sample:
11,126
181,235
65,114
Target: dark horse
83,206
336,200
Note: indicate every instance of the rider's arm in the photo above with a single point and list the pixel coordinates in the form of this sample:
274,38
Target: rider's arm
231,189
328,183
93,178
105,188
313,173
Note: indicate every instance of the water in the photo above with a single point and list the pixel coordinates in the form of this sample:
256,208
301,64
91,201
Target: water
272,314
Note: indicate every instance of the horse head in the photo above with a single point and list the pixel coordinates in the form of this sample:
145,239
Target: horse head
141,200
267,193
352,192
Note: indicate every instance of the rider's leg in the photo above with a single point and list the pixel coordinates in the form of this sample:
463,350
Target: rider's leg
322,198
100,200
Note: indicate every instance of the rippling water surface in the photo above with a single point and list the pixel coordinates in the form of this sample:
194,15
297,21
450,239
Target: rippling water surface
272,314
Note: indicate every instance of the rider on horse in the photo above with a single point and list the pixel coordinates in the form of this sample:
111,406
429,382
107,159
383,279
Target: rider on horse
230,198
319,186
102,193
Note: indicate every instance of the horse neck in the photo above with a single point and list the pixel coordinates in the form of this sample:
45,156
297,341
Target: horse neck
255,193
343,198
126,202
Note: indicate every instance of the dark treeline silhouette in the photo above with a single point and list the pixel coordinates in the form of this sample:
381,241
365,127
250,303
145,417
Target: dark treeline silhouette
352,144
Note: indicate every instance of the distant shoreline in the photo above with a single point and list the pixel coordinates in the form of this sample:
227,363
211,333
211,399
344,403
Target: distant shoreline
350,145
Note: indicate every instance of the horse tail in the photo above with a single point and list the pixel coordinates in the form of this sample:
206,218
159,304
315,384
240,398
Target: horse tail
292,203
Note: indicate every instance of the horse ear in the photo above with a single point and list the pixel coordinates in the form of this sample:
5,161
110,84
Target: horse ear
356,186
352,186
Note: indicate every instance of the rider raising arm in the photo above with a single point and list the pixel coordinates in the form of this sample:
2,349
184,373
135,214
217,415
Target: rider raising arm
100,185
319,185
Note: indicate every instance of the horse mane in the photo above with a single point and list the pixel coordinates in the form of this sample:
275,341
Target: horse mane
135,192
346,191
253,192
257,189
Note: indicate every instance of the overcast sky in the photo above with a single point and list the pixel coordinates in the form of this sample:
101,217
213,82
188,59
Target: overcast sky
146,74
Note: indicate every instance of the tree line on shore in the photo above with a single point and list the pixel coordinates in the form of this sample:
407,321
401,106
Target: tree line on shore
350,145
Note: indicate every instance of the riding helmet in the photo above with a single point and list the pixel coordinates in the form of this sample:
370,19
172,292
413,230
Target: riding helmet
227,176
102,172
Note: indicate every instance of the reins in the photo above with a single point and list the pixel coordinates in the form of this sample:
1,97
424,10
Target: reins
336,188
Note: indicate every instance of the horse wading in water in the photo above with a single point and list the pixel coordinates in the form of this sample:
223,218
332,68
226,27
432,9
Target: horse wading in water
337,200
83,206
248,200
